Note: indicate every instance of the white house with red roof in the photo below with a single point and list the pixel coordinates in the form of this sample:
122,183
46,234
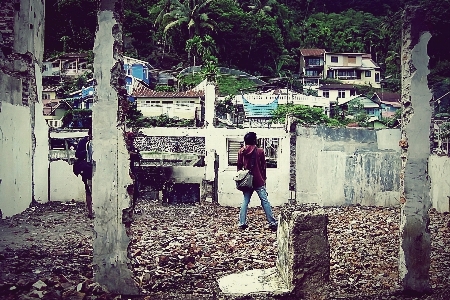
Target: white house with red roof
183,105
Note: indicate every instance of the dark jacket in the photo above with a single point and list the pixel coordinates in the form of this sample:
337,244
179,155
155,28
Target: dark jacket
259,169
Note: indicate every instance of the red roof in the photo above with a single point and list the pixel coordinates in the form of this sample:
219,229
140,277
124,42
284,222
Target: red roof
142,91
312,52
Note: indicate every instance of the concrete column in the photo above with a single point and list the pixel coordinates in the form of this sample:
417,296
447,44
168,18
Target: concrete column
303,260
111,178
210,139
210,99
23,132
415,247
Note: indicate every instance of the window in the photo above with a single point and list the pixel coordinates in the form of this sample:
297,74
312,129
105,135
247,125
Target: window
352,92
312,73
270,146
334,59
313,62
368,74
72,65
55,65
45,96
346,74
351,59
341,94
326,94
377,77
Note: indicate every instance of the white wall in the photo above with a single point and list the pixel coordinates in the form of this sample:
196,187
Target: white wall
16,159
40,159
345,166
64,185
439,172
277,178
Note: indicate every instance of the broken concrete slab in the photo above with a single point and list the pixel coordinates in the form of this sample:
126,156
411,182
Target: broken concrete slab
253,281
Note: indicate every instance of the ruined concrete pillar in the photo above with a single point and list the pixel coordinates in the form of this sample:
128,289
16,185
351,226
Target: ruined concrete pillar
111,201
303,251
415,247
210,98
23,131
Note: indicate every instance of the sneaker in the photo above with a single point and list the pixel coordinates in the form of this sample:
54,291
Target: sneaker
243,227
273,227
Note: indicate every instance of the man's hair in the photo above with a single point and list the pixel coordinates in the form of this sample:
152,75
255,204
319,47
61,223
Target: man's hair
250,138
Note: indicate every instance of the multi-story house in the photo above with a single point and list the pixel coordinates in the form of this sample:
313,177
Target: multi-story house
69,64
352,68
311,67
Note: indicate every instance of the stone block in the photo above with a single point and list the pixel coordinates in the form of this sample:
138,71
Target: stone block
303,251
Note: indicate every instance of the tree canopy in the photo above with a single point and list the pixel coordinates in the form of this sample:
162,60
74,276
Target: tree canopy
261,37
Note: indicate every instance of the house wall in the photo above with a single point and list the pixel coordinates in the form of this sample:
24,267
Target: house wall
334,95
344,166
172,109
342,60
216,140
439,172
22,129
64,185
350,166
49,95
277,178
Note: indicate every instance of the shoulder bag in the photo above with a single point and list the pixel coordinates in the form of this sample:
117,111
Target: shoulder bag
244,178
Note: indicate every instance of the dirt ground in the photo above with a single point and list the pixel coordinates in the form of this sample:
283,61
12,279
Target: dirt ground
179,252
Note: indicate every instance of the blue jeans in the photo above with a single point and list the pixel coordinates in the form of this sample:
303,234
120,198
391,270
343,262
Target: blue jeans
262,193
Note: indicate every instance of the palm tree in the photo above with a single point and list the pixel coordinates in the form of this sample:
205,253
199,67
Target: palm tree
191,12
261,7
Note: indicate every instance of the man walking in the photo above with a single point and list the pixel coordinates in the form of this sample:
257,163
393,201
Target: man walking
245,156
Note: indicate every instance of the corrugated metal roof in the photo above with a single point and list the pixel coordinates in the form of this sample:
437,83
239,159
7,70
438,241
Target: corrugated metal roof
312,52
142,91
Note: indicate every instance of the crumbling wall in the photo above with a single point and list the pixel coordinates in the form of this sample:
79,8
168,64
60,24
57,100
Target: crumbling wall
415,247
112,185
23,133
345,166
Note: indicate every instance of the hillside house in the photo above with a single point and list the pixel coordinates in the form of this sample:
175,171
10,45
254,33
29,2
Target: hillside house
311,67
49,92
69,64
389,102
352,68
136,69
54,110
183,105
337,92
371,108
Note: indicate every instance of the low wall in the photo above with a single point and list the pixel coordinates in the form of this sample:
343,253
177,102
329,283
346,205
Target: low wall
345,166
439,172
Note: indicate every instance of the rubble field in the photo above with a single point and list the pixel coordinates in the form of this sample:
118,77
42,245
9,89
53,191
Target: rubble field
179,252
